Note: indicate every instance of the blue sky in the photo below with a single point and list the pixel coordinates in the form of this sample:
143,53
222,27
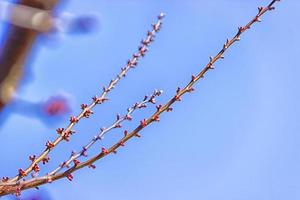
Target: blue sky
235,138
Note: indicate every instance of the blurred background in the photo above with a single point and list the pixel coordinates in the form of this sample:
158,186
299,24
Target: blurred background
235,138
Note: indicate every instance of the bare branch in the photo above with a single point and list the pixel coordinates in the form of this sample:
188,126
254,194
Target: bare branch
6,188
87,109
103,131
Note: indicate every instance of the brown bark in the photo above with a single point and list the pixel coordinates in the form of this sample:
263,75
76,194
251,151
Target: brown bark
15,50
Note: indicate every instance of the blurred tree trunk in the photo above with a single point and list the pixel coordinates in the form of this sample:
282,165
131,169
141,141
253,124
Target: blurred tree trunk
16,48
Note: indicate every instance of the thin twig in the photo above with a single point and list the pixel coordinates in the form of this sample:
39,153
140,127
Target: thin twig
87,109
167,107
7,188
103,131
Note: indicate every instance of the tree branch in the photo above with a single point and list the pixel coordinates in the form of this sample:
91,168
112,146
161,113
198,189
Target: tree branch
6,188
64,133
